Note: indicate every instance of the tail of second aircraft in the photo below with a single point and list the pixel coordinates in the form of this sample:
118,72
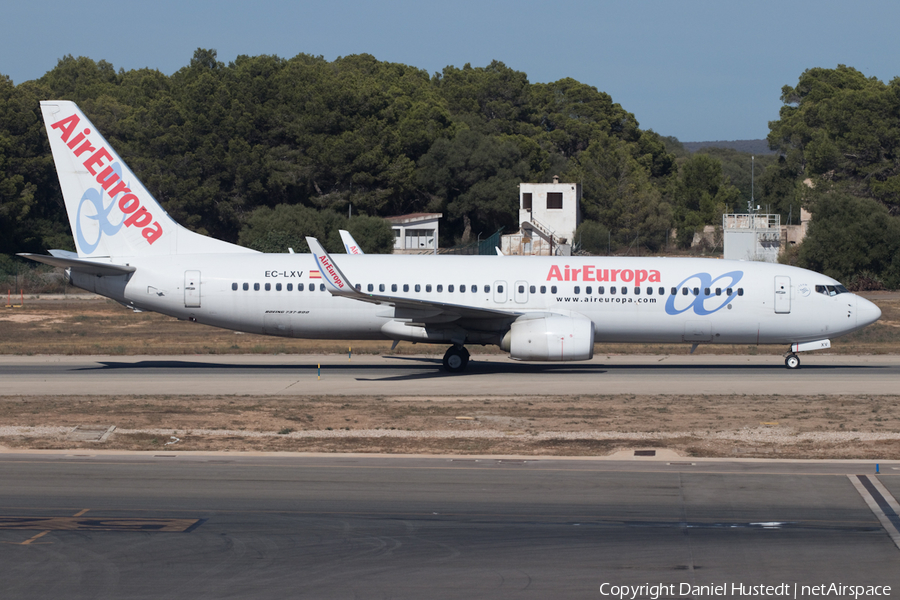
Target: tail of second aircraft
111,213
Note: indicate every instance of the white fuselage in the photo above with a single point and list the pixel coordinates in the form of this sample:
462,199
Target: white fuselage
757,303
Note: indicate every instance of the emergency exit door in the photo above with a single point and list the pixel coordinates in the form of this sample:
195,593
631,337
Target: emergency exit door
782,294
192,289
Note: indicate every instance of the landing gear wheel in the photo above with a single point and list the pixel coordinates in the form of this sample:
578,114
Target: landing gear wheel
792,361
456,359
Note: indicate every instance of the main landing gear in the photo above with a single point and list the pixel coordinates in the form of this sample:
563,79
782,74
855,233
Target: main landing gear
455,359
792,361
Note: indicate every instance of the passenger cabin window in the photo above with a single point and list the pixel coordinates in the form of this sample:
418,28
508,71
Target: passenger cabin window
299,287
530,289
462,289
552,289
428,287
290,287
500,289
255,287
418,288
612,289
405,287
370,288
380,287
234,287
440,288
450,288
246,286
321,287
637,291
684,291
624,290
277,287
487,289
577,289
588,290
393,287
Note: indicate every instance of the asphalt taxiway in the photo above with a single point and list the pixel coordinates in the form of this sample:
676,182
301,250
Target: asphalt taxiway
94,525
423,375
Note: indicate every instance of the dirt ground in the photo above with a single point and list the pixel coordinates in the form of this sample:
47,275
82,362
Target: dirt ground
759,426
861,427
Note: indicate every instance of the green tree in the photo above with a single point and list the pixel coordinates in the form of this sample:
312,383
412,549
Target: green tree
373,234
849,235
702,195
286,226
592,237
474,178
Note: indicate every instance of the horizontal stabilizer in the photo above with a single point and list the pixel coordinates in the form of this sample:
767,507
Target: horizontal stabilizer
80,265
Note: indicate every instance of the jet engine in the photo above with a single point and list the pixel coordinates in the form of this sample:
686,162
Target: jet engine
550,337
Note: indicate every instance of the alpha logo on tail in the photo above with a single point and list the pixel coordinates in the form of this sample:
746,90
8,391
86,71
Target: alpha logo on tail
108,173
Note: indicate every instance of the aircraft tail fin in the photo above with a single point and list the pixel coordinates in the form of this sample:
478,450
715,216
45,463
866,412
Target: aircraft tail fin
111,213
350,244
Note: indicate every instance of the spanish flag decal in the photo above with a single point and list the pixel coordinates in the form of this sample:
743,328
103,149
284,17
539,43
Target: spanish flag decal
315,275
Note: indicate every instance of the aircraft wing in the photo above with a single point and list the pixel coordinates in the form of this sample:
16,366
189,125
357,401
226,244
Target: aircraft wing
79,265
426,312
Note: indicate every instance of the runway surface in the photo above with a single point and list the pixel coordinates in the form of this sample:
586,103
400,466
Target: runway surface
229,526
420,375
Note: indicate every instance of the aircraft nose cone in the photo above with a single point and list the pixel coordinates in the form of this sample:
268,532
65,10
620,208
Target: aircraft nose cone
866,312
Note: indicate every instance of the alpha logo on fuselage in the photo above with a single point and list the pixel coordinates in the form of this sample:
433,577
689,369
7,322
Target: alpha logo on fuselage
703,303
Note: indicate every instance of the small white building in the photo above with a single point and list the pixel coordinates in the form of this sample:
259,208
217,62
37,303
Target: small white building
752,237
549,213
416,233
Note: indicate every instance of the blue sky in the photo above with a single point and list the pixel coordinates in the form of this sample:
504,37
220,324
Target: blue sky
696,69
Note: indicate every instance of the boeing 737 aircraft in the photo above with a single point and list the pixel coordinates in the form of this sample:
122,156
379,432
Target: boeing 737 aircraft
536,308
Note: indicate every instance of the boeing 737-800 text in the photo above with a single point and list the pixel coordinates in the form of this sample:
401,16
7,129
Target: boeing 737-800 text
537,308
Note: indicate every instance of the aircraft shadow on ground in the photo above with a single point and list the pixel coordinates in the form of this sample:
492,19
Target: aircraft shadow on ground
418,367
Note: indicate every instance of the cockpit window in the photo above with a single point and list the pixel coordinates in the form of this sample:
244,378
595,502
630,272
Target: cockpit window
832,290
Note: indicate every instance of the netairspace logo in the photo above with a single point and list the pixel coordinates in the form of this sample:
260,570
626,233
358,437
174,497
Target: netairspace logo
734,590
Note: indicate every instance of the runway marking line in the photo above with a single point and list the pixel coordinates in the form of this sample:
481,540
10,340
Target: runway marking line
77,522
43,533
880,502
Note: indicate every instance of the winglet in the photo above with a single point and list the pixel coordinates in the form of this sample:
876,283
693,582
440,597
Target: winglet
336,282
350,244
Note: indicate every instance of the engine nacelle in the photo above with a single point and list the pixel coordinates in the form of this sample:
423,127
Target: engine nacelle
554,337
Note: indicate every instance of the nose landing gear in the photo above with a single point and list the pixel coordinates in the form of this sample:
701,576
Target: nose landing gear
792,361
455,359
